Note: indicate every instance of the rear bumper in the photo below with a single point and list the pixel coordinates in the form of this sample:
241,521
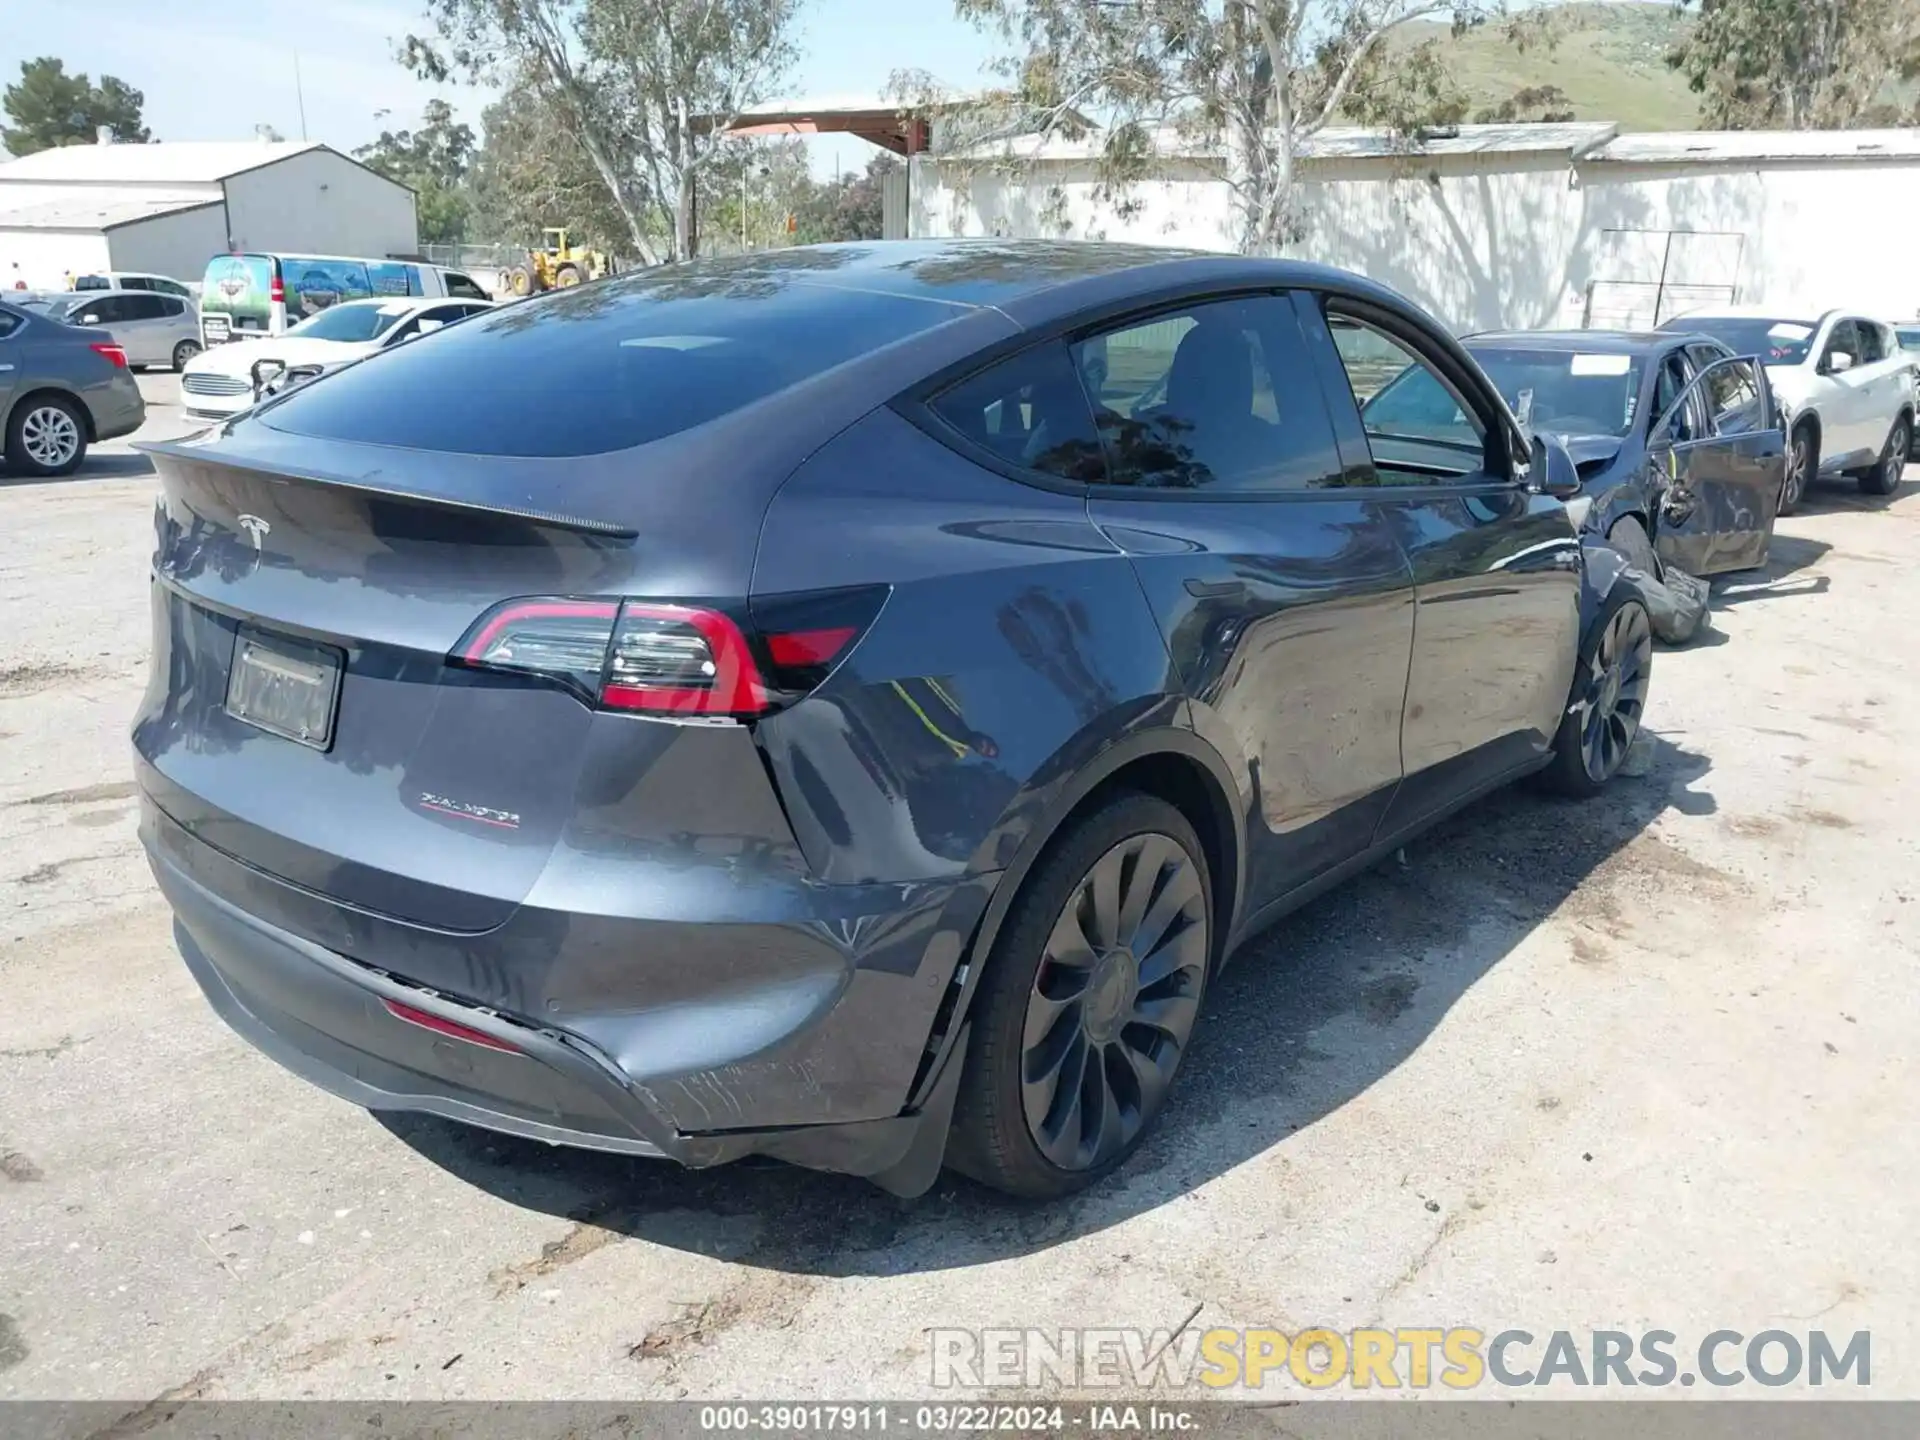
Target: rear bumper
326,1017
119,408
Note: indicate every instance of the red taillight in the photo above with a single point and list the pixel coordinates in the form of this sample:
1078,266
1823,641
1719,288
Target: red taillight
111,352
651,657
450,1028
277,292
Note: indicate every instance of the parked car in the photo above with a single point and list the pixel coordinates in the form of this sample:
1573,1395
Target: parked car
764,706
1840,382
134,280
1909,337
153,329
61,389
220,382
1678,451
253,296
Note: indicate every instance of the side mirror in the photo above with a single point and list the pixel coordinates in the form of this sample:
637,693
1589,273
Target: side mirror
1838,362
1551,471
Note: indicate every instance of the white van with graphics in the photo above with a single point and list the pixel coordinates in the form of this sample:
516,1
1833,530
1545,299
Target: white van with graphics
251,296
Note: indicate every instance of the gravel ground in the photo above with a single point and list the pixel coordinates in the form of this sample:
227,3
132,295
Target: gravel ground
1646,1063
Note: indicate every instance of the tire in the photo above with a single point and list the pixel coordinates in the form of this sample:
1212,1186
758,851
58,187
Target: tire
1803,464
1884,477
520,280
1620,643
46,437
1037,1010
184,352
567,276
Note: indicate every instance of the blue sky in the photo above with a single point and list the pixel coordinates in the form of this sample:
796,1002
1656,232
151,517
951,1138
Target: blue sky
213,69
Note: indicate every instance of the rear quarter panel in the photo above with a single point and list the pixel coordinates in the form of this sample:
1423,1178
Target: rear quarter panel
1015,646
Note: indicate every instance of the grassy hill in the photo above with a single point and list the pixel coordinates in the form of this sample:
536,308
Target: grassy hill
1609,60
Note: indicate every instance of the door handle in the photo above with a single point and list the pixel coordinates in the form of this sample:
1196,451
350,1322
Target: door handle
1215,589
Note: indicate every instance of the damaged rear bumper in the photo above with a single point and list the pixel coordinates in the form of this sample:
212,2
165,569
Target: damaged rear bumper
374,1039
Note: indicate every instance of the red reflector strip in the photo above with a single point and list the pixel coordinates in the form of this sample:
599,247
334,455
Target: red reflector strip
508,615
809,647
449,1028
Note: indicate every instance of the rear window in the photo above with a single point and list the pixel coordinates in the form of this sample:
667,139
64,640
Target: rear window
353,323
238,285
603,367
93,282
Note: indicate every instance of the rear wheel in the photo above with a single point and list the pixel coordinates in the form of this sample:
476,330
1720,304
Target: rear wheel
47,436
1803,461
520,280
1088,1002
1884,477
183,352
1608,700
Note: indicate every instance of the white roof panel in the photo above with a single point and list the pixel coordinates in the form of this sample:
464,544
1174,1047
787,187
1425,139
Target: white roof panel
182,162
83,207
1358,143
1707,146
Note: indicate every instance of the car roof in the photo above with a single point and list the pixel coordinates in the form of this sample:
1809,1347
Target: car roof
1795,314
1588,342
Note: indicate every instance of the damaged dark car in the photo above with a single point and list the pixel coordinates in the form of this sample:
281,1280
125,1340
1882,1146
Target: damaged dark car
850,702
1678,447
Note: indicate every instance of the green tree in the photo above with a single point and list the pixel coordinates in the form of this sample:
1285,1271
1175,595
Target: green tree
1801,64
49,107
531,171
1241,84
434,161
646,87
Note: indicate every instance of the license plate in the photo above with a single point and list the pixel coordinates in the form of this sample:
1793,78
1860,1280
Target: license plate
285,686
217,332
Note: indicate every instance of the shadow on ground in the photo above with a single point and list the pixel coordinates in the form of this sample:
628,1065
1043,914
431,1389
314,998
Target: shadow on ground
94,467
1780,578
1395,948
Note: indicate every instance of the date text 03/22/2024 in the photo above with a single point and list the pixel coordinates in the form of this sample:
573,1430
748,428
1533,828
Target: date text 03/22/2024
979,1418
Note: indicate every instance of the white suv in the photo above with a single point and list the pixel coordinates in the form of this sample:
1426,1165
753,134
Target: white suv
1842,385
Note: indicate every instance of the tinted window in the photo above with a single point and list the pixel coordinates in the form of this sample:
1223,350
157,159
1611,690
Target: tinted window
1732,395
1031,412
171,306
93,282
9,324
1909,337
604,367
1873,342
106,310
459,285
173,287
1563,392
1844,340
142,307
1194,400
1778,342
1444,441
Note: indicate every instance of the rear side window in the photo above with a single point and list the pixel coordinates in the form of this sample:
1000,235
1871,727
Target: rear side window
462,288
9,324
93,282
1217,397
1031,412
588,370
144,306
1873,342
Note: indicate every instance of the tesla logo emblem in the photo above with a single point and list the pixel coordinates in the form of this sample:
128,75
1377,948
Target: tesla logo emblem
256,527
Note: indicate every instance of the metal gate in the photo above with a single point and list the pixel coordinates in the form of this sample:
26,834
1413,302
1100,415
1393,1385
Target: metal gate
1645,277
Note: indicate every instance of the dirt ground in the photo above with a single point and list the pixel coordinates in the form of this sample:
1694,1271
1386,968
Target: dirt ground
1644,1063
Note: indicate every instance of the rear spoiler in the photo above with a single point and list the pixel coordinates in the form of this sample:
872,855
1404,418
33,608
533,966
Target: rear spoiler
192,453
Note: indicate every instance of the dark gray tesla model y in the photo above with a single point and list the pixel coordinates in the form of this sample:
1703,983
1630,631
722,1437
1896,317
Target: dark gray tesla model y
841,704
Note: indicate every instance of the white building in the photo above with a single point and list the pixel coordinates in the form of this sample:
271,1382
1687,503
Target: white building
1493,226
168,208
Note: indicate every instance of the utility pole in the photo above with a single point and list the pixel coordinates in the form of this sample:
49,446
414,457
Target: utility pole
300,94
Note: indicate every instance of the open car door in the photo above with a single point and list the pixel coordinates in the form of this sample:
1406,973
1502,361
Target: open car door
1723,457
